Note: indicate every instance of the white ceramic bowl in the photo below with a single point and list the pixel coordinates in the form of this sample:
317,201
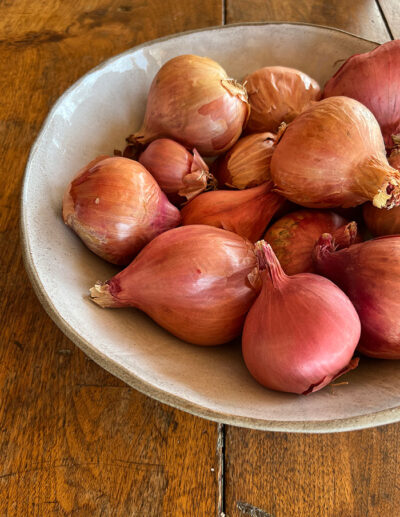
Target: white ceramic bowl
93,117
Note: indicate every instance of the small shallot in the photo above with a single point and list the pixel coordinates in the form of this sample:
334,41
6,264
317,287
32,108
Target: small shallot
247,164
278,94
193,101
333,155
384,222
198,282
369,273
180,174
301,332
245,212
373,78
294,236
116,207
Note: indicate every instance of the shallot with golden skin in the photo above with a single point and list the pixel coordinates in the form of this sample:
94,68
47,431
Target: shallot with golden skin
332,155
193,101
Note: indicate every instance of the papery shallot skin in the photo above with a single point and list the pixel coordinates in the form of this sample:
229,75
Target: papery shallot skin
369,273
197,282
246,212
278,94
116,207
193,101
373,78
294,236
300,333
247,164
333,155
180,174
384,222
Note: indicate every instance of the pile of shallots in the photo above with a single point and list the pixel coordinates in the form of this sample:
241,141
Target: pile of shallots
236,209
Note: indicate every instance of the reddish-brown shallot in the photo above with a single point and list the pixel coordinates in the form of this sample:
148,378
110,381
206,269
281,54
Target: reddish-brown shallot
247,163
373,79
294,236
278,94
198,282
384,222
116,207
245,212
180,174
193,101
301,332
333,155
369,273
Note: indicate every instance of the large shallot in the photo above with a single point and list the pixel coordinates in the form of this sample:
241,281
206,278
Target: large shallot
373,78
196,281
193,101
370,275
301,332
116,207
333,155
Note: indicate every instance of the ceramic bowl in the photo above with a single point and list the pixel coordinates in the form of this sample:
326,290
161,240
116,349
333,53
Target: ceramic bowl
93,117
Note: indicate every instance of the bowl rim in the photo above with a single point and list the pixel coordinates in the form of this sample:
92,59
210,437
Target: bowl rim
377,418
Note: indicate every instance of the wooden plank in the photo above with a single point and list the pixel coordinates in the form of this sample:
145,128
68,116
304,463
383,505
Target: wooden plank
348,474
278,474
361,17
391,11
73,439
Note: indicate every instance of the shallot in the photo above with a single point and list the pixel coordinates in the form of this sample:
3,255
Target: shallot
384,222
333,155
193,101
196,281
301,332
245,212
247,163
369,273
373,78
180,174
278,94
116,207
294,236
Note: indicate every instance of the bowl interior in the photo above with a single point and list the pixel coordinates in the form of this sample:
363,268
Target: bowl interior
94,117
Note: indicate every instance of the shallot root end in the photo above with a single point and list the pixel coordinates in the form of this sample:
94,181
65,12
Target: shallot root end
100,294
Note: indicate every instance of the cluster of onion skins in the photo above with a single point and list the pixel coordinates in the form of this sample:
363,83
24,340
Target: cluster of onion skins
288,169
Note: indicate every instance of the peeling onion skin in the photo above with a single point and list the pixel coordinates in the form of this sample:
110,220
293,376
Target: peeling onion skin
116,207
373,78
384,222
193,101
278,94
180,174
368,274
247,163
294,236
301,332
197,282
333,155
245,212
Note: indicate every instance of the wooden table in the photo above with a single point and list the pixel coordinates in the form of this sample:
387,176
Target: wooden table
73,439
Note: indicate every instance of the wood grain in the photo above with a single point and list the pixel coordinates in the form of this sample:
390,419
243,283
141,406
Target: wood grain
391,12
73,439
361,17
348,474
